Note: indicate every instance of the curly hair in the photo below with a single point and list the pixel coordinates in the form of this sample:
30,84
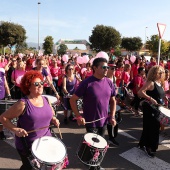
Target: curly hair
28,79
152,74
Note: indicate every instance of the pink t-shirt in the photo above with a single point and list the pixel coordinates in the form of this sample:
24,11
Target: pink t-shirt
166,86
126,77
138,80
54,72
17,76
118,75
135,70
88,73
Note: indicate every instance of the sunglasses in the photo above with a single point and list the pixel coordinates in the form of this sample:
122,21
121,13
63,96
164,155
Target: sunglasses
105,67
14,60
38,83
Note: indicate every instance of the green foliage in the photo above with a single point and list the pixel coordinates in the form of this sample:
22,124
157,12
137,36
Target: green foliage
104,37
132,44
11,34
48,45
62,48
153,45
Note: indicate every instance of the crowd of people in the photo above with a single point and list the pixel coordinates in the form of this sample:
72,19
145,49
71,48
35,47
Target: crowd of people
98,84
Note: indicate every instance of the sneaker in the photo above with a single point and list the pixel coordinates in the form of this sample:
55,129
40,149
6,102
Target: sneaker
113,142
149,153
2,136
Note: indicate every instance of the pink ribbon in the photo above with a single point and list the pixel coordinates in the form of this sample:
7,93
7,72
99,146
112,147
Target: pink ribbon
88,144
96,155
164,120
105,149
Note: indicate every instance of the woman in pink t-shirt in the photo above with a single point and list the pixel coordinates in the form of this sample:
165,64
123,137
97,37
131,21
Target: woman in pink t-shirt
54,73
88,72
16,77
3,61
118,73
138,83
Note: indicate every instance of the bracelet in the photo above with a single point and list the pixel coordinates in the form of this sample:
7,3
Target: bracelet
76,118
112,117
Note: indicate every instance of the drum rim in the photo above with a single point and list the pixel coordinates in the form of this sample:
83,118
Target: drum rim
94,146
46,95
50,163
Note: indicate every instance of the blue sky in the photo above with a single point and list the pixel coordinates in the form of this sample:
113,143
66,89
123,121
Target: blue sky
75,19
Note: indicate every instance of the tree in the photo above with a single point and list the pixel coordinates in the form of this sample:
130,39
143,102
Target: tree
20,48
48,45
132,44
11,34
104,37
153,43
62,48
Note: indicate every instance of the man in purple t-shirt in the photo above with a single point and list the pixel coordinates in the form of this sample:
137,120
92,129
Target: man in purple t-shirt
97,92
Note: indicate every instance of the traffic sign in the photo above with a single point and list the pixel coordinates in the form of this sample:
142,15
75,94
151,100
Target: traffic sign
161,29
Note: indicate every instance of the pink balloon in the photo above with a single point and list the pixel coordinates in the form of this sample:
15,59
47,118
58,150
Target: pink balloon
83,70
91,61
80,60
132,58
85,59
103,55
65,58
127,62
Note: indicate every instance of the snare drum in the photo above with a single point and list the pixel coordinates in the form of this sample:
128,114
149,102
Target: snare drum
164,116
92,149
5,105
50,153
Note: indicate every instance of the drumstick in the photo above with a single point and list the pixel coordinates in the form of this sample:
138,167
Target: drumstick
60,132
40,129
12,87
95,120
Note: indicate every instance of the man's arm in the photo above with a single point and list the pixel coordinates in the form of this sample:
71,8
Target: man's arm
112,110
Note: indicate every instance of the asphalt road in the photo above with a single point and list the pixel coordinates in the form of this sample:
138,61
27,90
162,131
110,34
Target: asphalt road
125,157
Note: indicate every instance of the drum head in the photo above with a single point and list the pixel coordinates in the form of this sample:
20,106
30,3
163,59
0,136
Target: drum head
164,110
49,150
95,140
52,99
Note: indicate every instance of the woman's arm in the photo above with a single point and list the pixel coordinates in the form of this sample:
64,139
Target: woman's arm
142,92
64,85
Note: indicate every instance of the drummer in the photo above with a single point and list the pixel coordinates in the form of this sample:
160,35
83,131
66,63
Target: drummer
33,112
3,88
70,82
97,91
153,92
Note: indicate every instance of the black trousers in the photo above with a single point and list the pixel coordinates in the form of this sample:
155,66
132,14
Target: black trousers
25,162
112,131
136,101
151,126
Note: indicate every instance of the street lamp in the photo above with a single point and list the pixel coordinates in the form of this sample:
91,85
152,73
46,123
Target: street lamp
38,28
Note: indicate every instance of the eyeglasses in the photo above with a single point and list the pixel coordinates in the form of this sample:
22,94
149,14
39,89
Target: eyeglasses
40,64
105,67
14,60
38,83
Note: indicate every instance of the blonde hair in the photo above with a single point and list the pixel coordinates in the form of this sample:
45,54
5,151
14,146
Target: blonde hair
153,74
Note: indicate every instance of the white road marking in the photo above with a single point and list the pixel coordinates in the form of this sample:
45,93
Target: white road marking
139,158
121,132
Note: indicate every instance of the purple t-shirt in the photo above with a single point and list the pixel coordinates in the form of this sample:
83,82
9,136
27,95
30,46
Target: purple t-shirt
96,95
2,86
34,118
